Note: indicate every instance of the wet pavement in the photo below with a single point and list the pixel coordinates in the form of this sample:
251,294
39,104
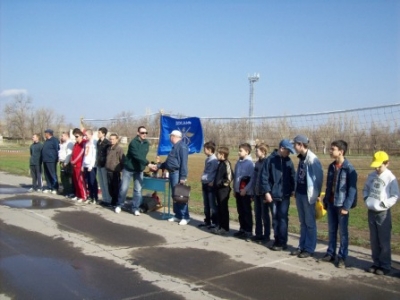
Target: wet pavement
79,251
33,202
33,266
105,232
9,189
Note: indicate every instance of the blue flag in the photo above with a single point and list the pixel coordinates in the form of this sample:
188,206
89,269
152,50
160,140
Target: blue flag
191,129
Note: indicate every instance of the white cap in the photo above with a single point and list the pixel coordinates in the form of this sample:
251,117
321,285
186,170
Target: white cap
176,133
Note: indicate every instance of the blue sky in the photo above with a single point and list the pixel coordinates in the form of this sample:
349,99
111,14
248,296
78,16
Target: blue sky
99,58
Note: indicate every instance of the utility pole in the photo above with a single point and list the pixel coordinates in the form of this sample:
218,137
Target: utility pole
252,79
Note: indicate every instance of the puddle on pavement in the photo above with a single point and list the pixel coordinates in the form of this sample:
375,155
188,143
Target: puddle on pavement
34,266
105,232
34,202
9,189
223,277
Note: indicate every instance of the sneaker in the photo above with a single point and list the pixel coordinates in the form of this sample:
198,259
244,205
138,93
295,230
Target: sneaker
54,192
203,225
39,191
184,221
341,264
117,209
296,252
46,191
372,269
239,234
87,201
79,200
71,196
304,254
211,227
74,198
31,190
136,213
327,258
93,202
173,219
382,271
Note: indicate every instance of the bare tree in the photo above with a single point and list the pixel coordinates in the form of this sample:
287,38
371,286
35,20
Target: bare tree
17,116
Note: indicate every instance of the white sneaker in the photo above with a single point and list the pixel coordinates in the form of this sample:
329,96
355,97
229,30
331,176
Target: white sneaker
46,191
79,200
184,221
118,209
173,219
54,192
74,198
39,191
87,201
31,190
137,213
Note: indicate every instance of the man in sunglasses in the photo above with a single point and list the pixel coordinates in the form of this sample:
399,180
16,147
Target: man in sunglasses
134,164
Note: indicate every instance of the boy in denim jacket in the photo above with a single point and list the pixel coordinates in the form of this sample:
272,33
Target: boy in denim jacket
341,192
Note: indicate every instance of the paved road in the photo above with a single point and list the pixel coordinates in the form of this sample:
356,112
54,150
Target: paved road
51,248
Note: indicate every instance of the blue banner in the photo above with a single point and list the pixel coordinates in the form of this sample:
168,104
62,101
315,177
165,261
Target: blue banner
191,129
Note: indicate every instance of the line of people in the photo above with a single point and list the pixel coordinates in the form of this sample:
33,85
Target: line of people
269,183
272,180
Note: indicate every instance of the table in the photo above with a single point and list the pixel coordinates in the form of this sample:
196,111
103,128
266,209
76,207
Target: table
160,185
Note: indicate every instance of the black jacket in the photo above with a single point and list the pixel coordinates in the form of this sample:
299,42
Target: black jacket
102,148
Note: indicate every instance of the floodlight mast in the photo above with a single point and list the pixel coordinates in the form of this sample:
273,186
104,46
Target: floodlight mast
252,79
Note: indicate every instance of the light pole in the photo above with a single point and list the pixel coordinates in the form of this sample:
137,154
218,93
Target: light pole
252,79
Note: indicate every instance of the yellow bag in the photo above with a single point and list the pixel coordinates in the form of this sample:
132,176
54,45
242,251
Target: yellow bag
319,207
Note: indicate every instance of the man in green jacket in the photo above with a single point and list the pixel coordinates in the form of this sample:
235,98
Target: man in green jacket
134,164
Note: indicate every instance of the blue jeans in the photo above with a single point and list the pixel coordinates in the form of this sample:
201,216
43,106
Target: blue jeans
137,188
308,224
91,181
210,205
337,220
262,217
103,182
280,215
181,210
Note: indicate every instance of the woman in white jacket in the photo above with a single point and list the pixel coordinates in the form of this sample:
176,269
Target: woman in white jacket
380,193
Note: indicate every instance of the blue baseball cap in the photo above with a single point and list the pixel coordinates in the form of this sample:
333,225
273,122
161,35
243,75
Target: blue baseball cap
287,145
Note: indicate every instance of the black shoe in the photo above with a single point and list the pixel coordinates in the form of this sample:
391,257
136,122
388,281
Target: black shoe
341,264
239,234
328,258
296,252
203,225
257,239
372,269
276,248
304,254
381,271
211,227
247,236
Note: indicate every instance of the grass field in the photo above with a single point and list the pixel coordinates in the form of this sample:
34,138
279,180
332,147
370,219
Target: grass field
15,160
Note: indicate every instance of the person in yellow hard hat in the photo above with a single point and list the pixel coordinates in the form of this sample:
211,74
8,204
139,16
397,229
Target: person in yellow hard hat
380,193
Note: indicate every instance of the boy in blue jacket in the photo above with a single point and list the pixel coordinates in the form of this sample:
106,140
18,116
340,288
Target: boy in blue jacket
277,185
341,192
